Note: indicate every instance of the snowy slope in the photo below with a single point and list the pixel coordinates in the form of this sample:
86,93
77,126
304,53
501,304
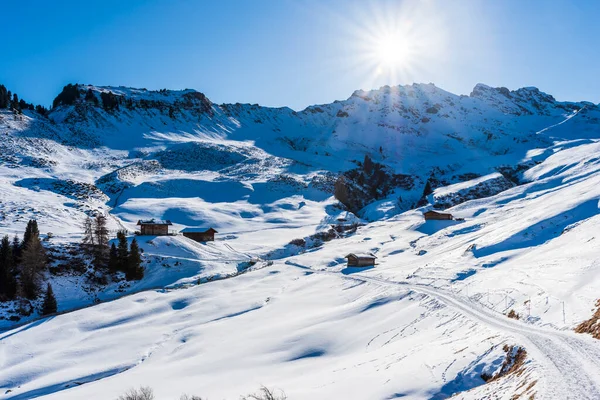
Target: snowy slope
519,167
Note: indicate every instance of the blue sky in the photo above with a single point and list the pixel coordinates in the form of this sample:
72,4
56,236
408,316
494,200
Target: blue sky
297,53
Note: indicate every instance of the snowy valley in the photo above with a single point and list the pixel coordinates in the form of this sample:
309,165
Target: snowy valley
272,301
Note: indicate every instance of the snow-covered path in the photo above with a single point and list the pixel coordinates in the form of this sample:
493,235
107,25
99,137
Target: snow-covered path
570,362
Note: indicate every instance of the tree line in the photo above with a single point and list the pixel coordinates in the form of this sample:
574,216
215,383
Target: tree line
116,257
9,100
71,94
22,262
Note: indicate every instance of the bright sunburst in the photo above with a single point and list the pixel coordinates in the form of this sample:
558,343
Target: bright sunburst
392,51
395,42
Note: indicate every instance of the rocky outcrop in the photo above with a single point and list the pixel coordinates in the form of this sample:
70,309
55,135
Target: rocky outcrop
478,188
370,182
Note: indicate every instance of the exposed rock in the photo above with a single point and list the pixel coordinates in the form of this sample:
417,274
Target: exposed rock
358,187
486,186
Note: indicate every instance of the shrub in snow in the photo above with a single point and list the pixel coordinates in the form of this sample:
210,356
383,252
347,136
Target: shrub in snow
266,394
143,393
298,242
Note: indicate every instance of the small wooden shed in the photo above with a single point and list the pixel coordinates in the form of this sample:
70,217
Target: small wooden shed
200,234
154,227
436,215
360,260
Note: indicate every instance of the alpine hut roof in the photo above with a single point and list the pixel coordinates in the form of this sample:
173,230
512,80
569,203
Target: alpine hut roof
154,222
198,230
361,255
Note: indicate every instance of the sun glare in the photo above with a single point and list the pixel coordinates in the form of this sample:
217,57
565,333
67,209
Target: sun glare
396,43
392,51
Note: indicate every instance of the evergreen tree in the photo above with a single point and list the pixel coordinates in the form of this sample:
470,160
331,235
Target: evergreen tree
68,96
49,306
30,231
113,259
41,110
101,242
15,102
122,251
4,99
16,250
8,284
33,261
135,271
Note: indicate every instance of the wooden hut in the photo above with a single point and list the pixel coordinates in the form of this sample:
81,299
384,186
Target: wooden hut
200,234
154,227
436,215
360,260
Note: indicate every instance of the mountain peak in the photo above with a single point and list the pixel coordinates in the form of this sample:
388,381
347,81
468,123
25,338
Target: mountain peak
110,97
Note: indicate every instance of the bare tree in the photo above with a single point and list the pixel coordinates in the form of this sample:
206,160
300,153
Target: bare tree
101,241
143,393
266,394
88,240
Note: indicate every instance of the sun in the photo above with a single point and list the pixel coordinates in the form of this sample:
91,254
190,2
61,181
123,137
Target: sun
392,51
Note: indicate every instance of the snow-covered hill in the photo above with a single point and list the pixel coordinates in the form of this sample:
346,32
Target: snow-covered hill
517,168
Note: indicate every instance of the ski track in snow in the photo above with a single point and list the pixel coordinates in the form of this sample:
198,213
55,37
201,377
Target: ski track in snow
571,362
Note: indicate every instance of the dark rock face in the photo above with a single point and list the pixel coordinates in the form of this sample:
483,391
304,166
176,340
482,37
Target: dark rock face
480,190
372,181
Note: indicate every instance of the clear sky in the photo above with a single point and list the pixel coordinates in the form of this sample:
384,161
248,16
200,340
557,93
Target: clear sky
297,53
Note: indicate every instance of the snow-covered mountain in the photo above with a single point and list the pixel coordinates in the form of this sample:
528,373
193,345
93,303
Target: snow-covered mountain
518,170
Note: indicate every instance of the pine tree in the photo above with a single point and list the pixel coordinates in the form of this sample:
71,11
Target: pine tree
17,248
15,102
101,242
113,259
30,231
49,306
122,251
8,284
33,261
4,99
68,96
135,271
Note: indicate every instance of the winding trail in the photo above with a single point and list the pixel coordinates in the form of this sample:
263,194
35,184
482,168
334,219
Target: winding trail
570,362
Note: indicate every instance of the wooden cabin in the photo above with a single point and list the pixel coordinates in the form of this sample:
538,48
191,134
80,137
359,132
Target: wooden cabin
360,260
200,234
436,215
154,227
